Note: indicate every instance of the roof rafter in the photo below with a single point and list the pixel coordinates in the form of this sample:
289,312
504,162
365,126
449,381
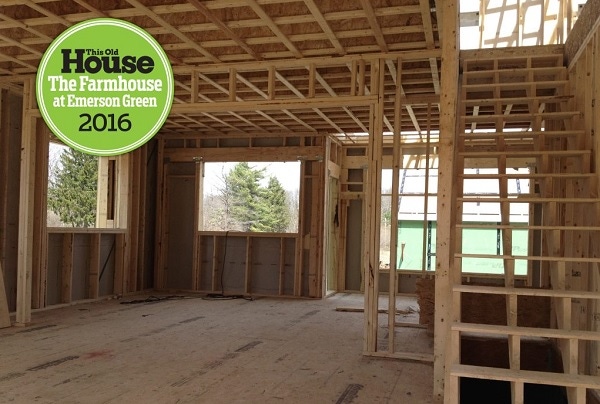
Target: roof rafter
156,18
91,8
266,97
208,115
316,12
226,91
368,7
273,27
430,41
46,12
409,109
317,110
223,27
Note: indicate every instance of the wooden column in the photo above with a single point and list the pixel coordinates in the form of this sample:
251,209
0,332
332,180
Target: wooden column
26,210
325,217
159,244
198,225
315,261
444,271
40,240
373,209
135,196
397,161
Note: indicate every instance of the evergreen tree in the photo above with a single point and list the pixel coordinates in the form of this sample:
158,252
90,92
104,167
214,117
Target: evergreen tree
243,182
252,207
273,209
72,188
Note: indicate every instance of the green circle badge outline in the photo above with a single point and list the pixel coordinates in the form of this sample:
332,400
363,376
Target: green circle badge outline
52,116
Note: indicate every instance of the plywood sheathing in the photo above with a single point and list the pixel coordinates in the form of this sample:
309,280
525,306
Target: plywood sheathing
533,311
204,351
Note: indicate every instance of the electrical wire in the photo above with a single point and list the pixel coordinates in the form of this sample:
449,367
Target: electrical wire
112,247
153,299
222,295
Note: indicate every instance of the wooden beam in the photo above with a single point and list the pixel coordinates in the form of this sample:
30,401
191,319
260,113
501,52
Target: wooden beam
407,56
173,30
267,96
299,94
427,24
527,376
223,27
314,9
404,99
54,17
270,105
372,18
288,153
273,27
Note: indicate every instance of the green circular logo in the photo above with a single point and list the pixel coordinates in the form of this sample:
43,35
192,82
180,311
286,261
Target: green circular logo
104,86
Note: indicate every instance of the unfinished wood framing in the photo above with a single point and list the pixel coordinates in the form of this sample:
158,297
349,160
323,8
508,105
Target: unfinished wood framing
26,211
445,346
525,23
349,89
514,94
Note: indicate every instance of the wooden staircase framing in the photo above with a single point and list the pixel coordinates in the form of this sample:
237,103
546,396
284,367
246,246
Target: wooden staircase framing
517,111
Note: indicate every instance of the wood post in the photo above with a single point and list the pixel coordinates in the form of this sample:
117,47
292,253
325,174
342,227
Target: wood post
397,159
198,224
372,209
40,240
161,224
26,210
445,274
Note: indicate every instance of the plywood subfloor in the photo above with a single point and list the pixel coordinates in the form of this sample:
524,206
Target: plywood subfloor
192,350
